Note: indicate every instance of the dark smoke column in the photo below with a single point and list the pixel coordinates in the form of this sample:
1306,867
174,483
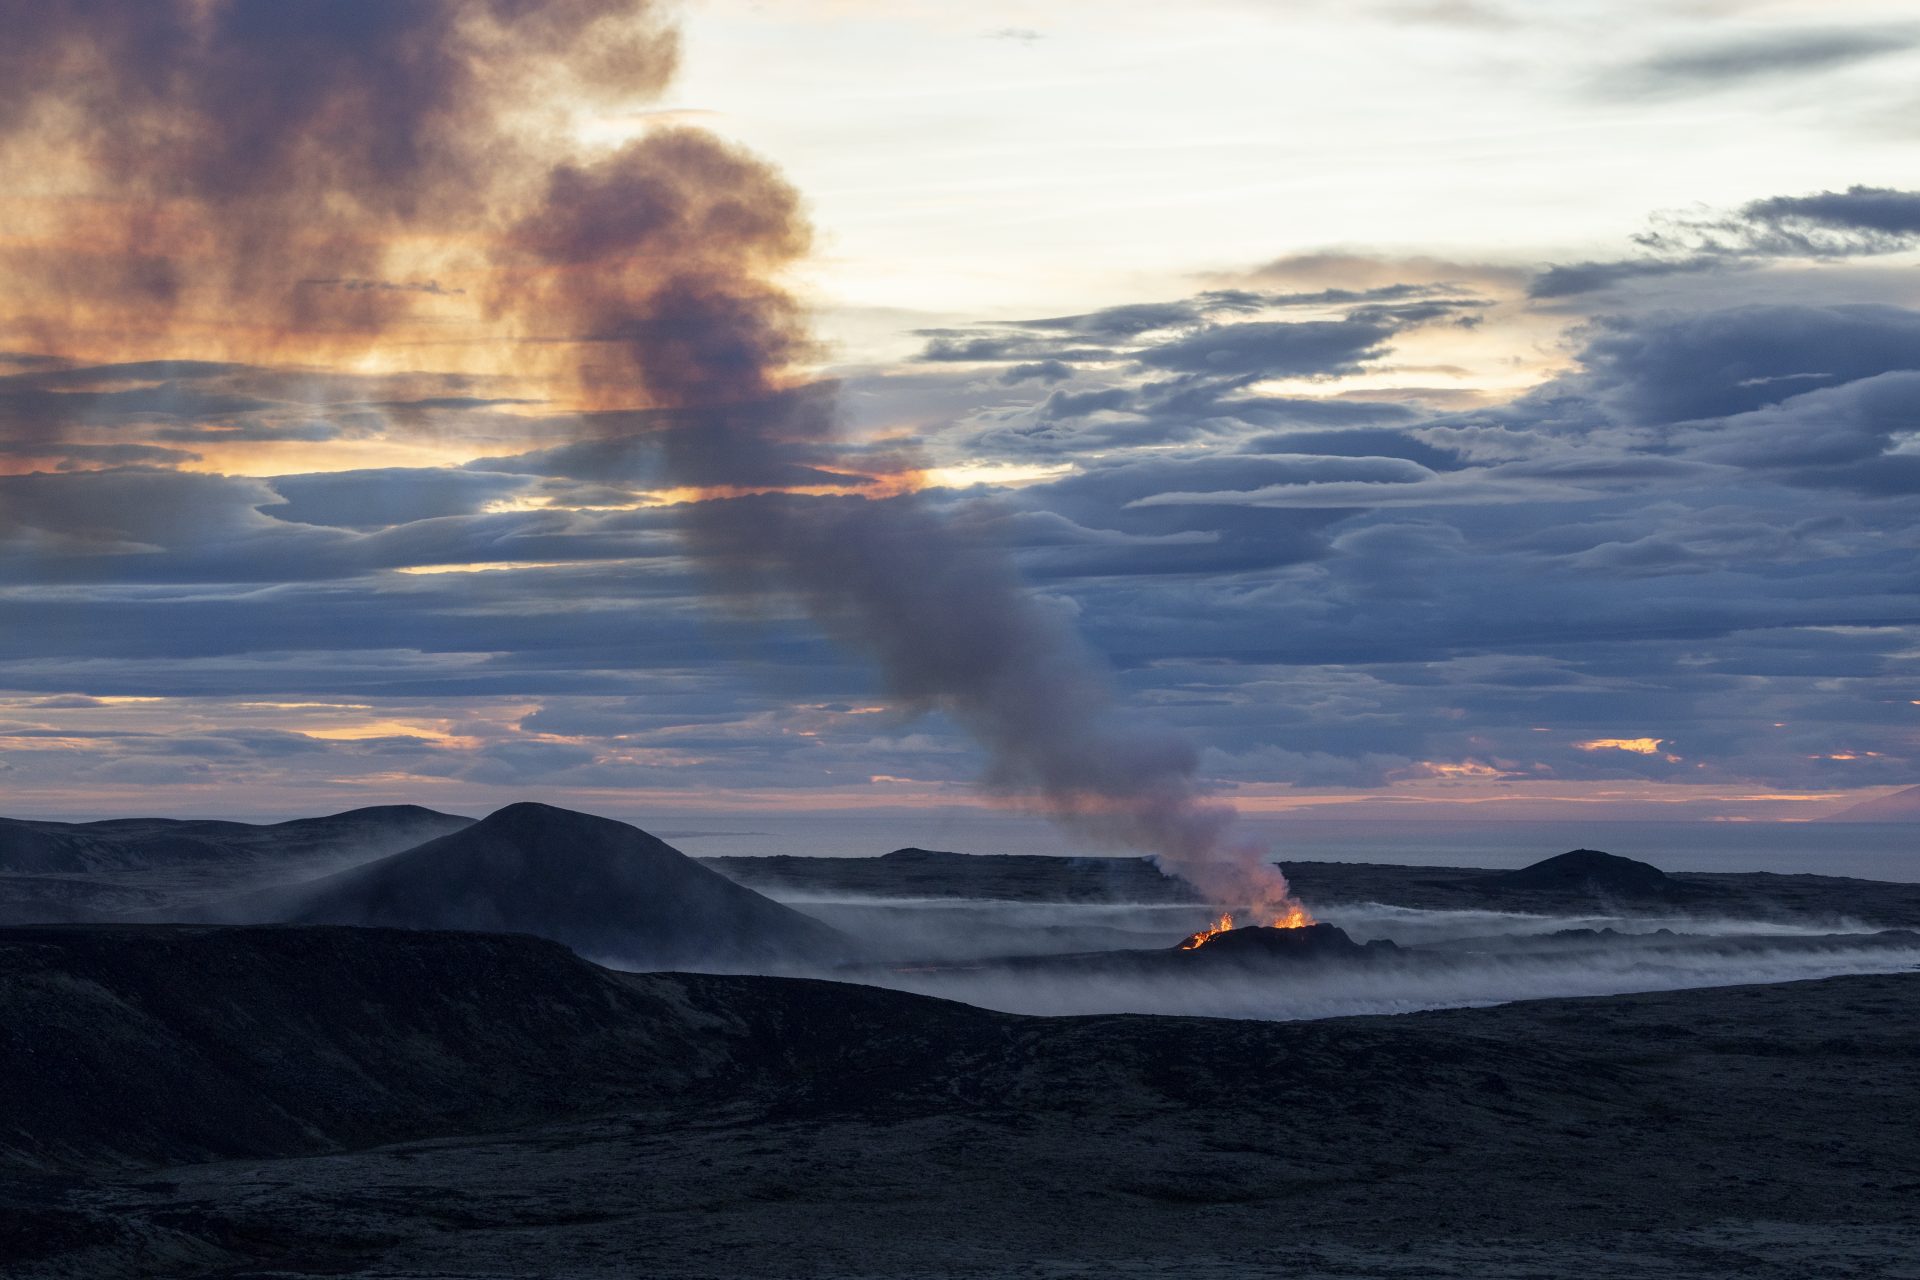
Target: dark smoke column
258,179
668,255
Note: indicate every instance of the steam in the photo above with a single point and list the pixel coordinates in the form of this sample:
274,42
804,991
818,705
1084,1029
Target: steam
302,174
950,947
1333,992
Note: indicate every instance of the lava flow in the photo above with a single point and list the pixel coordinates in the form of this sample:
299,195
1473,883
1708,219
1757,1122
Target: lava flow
1207,934
1296,916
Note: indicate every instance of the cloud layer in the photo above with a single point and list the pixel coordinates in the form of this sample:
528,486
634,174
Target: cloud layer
1299,518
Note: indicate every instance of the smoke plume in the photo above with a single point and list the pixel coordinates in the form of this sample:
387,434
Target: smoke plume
268,171
251,174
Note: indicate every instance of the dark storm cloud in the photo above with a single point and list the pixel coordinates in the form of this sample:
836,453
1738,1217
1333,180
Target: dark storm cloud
1730,63
1672,367
1183,373
1275,349
1047,371
1876,210
1078,404
1858,222
1360,441
1571,279
384,498
1219,333
1810,435
67,456
1325,412
72,412
968,347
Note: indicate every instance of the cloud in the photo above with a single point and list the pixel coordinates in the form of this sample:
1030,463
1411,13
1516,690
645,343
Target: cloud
382,499
1699,529
1274,349
1878,210
1676,366
1858,222
1038,371
1728,64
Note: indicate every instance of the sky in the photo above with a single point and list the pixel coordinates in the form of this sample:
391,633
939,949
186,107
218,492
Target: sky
1451,408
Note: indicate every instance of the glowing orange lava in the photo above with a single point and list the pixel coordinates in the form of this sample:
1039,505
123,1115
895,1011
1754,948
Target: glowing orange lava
1296,916
1201,938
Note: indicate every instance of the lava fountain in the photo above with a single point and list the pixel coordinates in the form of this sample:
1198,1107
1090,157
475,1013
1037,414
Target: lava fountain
1294,915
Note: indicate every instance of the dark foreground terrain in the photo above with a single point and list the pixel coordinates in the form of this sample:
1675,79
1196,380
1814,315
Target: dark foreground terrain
185,1101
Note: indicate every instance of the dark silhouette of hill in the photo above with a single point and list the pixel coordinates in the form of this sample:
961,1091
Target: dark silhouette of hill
1028,878
707,1126
137,844
914,872
1591,872
1901,806
605,888
130,867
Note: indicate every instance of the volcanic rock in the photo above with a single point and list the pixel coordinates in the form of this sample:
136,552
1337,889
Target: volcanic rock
604,888
1256,943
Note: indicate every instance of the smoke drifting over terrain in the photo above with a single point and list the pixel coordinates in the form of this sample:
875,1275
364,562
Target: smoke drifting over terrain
282,176
1338,992
1454,958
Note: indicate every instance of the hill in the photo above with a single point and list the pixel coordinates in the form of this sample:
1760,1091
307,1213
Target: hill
167,868
1901,806
142,844
604,888
1591,872
914,872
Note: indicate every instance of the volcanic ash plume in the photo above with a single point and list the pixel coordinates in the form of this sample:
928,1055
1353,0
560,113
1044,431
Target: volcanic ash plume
267,173
669,254
267,177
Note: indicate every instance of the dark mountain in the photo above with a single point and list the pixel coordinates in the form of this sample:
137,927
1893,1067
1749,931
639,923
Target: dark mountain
1901,806
935,873
164,868
141,844
910,873
1592,873
605,888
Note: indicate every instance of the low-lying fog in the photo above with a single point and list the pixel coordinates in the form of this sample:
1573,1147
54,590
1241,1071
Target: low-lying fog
975,928
1463,957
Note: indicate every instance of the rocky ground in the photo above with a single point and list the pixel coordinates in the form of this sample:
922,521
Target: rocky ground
294,1101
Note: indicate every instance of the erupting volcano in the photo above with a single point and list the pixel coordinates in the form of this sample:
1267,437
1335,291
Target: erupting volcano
1293,915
